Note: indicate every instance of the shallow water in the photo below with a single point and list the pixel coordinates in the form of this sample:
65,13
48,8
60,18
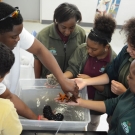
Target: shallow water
36,99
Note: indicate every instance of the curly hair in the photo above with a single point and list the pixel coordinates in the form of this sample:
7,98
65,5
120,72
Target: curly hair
104,27
6,60
65,11
129,31
7,24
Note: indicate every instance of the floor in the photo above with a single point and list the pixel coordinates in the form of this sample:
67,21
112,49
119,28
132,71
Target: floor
27,59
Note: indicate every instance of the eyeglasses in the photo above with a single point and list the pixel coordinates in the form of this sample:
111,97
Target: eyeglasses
12,15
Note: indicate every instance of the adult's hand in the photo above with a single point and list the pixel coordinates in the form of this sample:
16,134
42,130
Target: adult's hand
117,87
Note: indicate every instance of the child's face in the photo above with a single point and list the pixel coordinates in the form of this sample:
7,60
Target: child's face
131,77
66,28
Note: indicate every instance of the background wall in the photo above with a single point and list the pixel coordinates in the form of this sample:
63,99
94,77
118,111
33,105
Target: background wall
126,11
88,9
30,9
42,10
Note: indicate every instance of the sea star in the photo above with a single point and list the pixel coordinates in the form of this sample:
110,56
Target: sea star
63,97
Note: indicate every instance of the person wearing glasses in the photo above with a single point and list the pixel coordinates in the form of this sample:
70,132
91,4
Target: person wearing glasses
15,36
61,37
91,58
9,121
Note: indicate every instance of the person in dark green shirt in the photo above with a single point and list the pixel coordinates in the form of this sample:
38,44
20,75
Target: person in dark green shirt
122,108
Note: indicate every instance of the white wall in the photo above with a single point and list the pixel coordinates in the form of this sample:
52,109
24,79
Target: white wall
30,9
126,11
88,9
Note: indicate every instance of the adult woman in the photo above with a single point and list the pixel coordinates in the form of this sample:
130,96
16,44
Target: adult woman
90,59
61,38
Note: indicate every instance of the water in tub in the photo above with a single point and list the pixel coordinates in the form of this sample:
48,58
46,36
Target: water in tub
36,99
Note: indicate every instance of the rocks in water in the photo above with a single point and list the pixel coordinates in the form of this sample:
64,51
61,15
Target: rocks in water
47,112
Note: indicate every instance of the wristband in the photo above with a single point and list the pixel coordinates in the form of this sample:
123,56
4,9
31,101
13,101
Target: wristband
39,117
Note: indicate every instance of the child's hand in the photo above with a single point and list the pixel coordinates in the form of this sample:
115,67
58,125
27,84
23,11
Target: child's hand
83,76
43,118
80,83
72,103
77,103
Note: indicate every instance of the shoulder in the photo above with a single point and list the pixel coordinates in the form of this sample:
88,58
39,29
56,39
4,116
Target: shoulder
113,54
79,28
46,30
6,106
26,39
2,88
82,48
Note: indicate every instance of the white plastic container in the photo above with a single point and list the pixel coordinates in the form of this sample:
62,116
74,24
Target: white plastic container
36,95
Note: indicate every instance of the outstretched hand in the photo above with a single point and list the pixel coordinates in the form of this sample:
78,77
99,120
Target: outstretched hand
68,103
80,83
70,85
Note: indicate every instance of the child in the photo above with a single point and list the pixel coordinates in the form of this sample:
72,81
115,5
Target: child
122,108
91,58
61,37
9,122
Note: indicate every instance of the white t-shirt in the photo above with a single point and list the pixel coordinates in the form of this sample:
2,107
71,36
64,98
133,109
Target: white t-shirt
11,80
2,88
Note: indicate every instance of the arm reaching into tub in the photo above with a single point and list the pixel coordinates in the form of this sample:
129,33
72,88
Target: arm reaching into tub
22,109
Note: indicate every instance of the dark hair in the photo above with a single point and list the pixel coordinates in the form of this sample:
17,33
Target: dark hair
7,24
65,11
6,60
129,31
103,29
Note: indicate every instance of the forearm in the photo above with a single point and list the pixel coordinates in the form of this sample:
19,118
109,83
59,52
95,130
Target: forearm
99,87
47,60
37,68
93,105
22,108
68,74
99,80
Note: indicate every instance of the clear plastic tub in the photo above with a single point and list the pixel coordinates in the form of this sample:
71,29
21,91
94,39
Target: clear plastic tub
36,95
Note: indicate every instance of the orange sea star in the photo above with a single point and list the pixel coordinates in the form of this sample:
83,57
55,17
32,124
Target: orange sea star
63,97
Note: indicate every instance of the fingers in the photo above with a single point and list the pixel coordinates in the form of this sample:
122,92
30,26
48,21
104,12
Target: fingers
114,82
79,76
42,118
